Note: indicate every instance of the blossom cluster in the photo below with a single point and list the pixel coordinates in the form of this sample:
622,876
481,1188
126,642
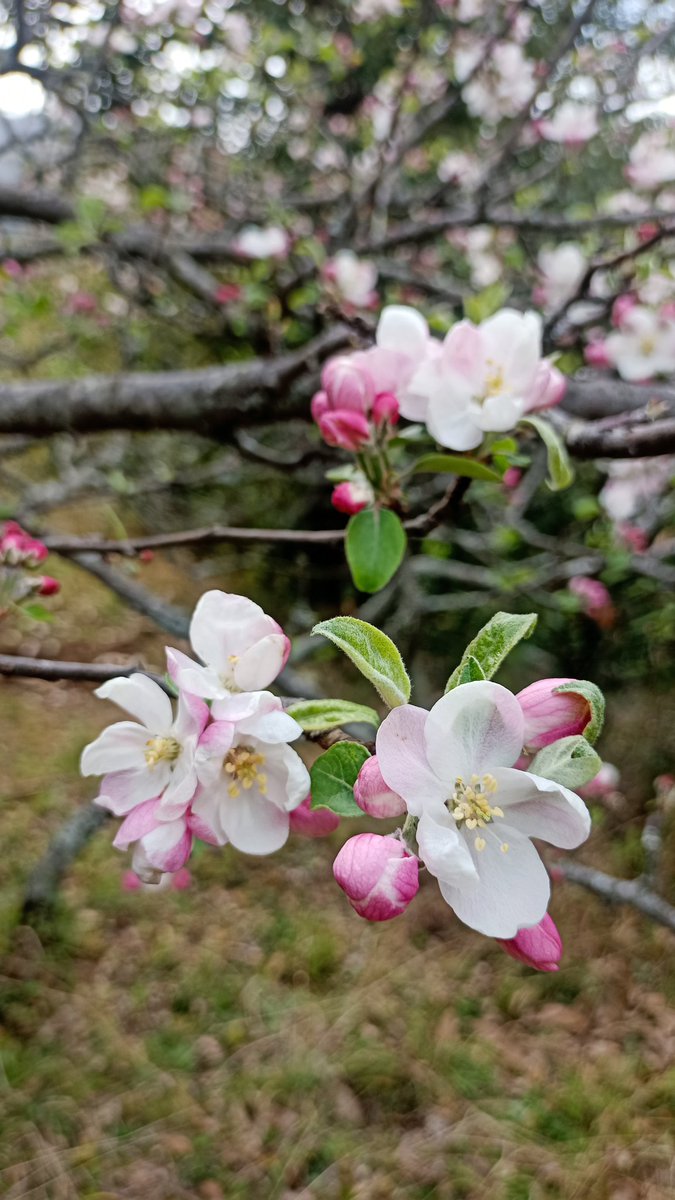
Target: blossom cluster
461,773
216,766
20,556
480,379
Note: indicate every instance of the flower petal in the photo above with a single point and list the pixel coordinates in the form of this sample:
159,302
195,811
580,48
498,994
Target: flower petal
252,823
192,677
444,853
541,808
473,729
123,790
223,625
261,663
513,889
120,747
403,330
401,753
450,419
288,779
168,846
140,821
141,697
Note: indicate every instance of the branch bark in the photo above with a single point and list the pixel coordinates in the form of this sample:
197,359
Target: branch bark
18,666
620,891
45,878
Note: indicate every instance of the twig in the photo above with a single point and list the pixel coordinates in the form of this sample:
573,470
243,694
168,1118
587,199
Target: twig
44,879
18,666
620,891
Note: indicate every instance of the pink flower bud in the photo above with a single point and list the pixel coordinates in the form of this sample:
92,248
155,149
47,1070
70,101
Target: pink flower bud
146,556
550,715
633,536
48,586
596,354
181,880
320,405
372,794
225,293
312,823
385,408
378,875
539,947
12,268
548,388
595,599
622,307
348,385
344,428
512,477
131,882
352,497
605,783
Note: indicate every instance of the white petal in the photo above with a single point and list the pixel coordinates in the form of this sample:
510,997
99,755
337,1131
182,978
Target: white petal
141,697
123,790
120,747
288,779
444,853
206,807
180,789
541,808
261,663
451,422
473,729
402,329
500,413
252,823
513,889
223,625
401,753
273,725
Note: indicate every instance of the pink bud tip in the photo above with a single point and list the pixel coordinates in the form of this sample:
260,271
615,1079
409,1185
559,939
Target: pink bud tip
146,556
226,293
622,307
181,879
385,408
596,354
352,497
48,586
372,794
550,715
539,947
378,876
344,428
131,882
320,405
312,823
512,477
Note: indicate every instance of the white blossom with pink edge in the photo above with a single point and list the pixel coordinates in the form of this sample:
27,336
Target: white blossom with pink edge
251,779
151,757
643,346
453,766
633,484
162,845
354,278
242,648
652,160
572,124
254,241
484,379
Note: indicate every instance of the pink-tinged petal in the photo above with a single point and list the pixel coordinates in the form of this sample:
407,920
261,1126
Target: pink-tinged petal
141,697
204,817
223,625
141,820
462,352
313,823
200,828
372,794
192,677
123,790
287,776
344,428
401,753
258,666
214,744
193,716
541,808
168,846
320,405
550,716
180,789
252,823
513,889
402,330
539,947
120,747
444,852
473,729
378,875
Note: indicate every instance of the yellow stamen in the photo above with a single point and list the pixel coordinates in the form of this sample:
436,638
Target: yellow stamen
470,806
161,749
242,764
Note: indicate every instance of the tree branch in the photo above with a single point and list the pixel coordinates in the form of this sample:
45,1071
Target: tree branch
620,891
17,666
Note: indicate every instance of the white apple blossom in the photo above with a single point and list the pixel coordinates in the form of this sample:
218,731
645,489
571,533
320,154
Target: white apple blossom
453,766
561,269
242,648
644,346
150,757
462,169
502,87
572,123
652,160
372,10
251,779
632,485
255,241
354,278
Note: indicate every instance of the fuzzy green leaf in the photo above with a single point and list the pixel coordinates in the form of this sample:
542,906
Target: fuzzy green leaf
373,653
315,716
571,761
333,777
591,692
491,645
560,471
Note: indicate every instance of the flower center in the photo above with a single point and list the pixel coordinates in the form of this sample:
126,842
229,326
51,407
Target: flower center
242,764
161,749
647,345
227,677
494,382
471,807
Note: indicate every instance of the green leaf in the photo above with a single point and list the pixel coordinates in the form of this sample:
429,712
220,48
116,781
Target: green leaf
560,471
591,692
481,306
491,645
570,761
317,715
472,671
375,546
333,777
455,464
373,653
37,612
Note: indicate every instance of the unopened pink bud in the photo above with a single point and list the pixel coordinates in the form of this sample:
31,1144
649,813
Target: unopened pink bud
548,388
351,497
596,354
372,794
550,715
622,307
181,880
539,947
344,428
378,875
320,405
385,408
595,599
12,268
512,477
348,385
633,536
48,586
131,882
225,293
312,822
605,783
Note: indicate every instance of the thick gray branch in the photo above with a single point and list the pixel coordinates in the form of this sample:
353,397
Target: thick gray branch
44,879
621,891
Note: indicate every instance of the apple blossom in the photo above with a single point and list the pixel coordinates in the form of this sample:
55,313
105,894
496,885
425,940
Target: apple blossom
151,757
372,10
539,946
254,241
572,124
453,766
502,87
561,269
550,715
18,548
378,875
595,599
352,496
651,160
461,169
242,648
634,483
251,779
372,794
312,822
354,278
644,345
162,844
